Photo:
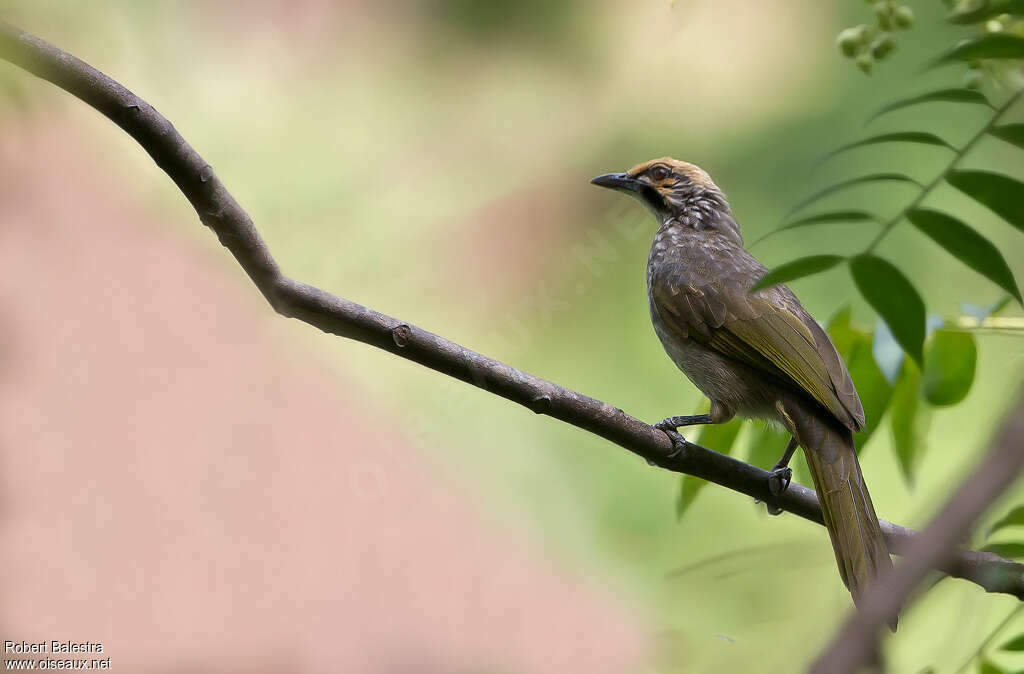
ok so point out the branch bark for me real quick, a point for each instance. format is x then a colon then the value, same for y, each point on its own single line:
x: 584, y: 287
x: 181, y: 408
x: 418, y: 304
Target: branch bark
x: 219, y: 211
x: 855, y: 645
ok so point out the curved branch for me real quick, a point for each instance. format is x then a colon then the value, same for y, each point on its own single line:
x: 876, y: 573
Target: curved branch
x: 219, y: 211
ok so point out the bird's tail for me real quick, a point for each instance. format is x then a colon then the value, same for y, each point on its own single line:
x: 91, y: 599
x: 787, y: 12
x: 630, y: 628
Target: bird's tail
x: 846, y: 506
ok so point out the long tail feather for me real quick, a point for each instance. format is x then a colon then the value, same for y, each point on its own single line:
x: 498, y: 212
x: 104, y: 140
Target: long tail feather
x: 849, y: 515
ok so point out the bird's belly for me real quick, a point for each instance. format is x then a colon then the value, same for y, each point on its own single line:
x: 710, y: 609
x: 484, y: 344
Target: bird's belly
x: 725, y: 381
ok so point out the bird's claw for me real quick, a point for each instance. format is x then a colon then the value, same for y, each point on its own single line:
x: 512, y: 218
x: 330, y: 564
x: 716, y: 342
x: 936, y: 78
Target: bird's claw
x: 778, y: 482
x: 678, y: 441
x: 666, y: 425
x: 779, y: 479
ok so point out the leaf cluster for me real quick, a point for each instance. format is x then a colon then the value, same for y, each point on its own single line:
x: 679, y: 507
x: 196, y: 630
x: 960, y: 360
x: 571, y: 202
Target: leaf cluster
x: 941, y: 360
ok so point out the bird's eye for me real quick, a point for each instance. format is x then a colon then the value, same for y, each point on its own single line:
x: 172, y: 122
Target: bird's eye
x: 659, y: 173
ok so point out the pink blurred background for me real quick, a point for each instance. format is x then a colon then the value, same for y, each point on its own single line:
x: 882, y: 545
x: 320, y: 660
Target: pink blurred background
x: 181, y: 486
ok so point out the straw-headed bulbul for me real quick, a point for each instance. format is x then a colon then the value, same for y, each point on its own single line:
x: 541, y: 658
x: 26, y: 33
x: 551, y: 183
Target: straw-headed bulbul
x: 753, y: 354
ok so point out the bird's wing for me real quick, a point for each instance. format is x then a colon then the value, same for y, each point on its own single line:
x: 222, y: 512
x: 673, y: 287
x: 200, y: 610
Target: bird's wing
x: 768, y: 331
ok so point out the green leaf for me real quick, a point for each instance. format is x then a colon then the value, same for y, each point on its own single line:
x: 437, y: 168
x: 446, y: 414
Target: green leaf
x: 908, y: 419
x: 897, y: 302
x: 966, y: 245
x: 853, y: 182
x: 801, y: 471
x: 842, y: 332
x: 988, y: 667
x: 855, y: 347
x: 941, y: 96
x: 1001, y: 304
x: 1002, y: 194
x: 831, y: 217
x: 991, y: 46
x: 719, y: 437
x: 1015, y: 644
x: 983, y: 11
x: 1007, y: 550
x: 950, y: 359
x: 826, y: 218
x: 766, y: 446
x: 898, y: 137
x: 804, y: 266
x: 1011, y: 133
x: 1013, y: 518
x: 689, y: 486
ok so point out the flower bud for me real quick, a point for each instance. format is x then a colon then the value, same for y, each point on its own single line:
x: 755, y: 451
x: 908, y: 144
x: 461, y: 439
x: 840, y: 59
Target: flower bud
x: 848, y: 41
x: 903, y: 17
x: 882, y: 47
x: 884, y: 16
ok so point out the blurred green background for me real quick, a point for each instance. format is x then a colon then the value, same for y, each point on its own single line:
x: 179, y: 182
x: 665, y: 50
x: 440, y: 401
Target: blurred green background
x: 431, y: 159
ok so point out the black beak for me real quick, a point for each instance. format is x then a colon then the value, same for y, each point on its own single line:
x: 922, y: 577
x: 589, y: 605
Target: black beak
x: 617, y: 181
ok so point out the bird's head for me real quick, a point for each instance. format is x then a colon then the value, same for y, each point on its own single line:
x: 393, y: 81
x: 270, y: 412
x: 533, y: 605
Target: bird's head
x: 676, y: 192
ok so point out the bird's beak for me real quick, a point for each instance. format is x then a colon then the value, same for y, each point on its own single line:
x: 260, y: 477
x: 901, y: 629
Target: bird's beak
x: 617, y: 181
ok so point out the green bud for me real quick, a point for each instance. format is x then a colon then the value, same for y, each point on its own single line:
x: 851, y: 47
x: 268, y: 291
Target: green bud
x: 974, y: 79
x: 903, y: 17
x: 865, y: 63
x: 883, y: 15
x: 994, y: 26
x: 882, y: 47
x: 848, y: 41
x: 964, y: 6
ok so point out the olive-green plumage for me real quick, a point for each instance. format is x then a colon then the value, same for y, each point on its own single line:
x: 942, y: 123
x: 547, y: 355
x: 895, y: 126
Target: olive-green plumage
x: 754, y: 354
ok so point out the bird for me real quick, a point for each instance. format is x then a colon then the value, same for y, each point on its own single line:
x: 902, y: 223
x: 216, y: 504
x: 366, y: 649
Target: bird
x: 753, y: 354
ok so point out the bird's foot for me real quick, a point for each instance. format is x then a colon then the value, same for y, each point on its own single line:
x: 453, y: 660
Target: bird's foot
x: 779, y: 479
x: 671, y: 423
x: 679, y: 443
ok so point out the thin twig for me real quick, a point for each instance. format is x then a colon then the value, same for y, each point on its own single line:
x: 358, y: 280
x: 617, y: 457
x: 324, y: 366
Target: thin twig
x: 960, y: 154
x: 219, y: 211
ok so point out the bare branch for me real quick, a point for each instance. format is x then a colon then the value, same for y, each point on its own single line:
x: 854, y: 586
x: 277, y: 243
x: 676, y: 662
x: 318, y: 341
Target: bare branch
x: 855, y: 645
x: 219, y: 211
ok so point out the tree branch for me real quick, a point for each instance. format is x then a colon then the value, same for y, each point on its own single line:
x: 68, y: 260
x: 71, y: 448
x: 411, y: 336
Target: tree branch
x: 855, y: 645
x: 219, y: 211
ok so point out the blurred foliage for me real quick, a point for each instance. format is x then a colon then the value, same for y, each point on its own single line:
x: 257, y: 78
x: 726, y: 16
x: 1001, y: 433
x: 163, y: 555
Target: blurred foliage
x: 538, y: 21
x: 942, y: 364
x: 854, y: 344
x: 909, y: 419
x: 950, y: 362
x: 950, y: 359
x: 721, y: 438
